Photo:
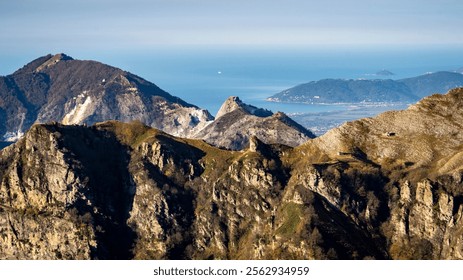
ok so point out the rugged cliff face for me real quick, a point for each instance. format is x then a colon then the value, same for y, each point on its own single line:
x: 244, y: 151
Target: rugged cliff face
x: 384, y: 187
x: 59, y: 88
x: 419, y: 153
x: 128, y: 191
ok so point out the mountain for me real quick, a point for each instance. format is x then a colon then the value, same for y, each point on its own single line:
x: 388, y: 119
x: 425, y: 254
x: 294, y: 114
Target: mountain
x: 135, y: 192
x: 388, y: 187
x: 236, y: 122
x: 346, y: 91
x: 59, y: 88
x: 379, y: 90
x: 438, y: 82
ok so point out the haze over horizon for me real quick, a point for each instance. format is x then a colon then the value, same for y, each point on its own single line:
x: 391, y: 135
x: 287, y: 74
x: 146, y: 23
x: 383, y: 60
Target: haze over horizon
x: 97, y: 29
x: 104, y: 24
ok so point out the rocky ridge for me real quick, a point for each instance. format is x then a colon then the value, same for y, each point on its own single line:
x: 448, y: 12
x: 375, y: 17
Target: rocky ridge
x: 383, y: 187
x: 59, y: 88
x: 236, y: 122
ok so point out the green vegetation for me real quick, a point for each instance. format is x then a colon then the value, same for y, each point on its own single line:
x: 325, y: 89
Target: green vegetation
x: 291, y: 215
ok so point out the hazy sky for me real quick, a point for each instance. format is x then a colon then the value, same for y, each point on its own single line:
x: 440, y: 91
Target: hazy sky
x: 52, y: 25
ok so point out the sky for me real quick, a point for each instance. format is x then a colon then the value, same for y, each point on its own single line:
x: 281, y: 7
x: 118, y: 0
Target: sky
x: 38, y: 27
x: 102, y: 24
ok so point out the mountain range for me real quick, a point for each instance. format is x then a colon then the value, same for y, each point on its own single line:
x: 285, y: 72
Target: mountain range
x: 388, y: 187
x: 106, y: 165
x: 60, y: 88
x: 407, y: 90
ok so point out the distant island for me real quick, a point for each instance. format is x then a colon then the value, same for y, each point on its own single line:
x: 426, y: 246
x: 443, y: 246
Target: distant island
x: 384, y: 72
x: 335, y: 91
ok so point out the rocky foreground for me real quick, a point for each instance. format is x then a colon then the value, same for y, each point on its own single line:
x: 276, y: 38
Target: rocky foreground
x: 389, y: 187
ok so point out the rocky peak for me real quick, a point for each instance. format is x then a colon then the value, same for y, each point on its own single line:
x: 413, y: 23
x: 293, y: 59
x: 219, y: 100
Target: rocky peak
x: 280, y: 115
x: 53, y: 60
x: 234, y: 103
x: 237, y: 122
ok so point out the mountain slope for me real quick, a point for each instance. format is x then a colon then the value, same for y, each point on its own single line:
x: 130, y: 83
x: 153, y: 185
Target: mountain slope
x: 355, y: 91
x: 419, y: 151
x: 346, y: 91
x: 438, y: 82
x: 236, y: 122
x: 135, y: 192
x: 383, y: 187
x: 59, y: 88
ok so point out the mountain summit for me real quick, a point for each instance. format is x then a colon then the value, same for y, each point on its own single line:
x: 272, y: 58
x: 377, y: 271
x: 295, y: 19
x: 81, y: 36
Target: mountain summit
x: 233, y: 103
x: 236, y: 122
x: 59, y: 88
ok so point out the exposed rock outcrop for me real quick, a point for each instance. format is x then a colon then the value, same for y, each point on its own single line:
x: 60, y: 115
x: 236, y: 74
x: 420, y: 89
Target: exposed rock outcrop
x: 159, y: 197
x: 236, y: 122
x: 388, y: 187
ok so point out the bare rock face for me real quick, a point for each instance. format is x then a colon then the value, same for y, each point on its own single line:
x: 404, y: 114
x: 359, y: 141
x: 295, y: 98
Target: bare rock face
x: 236, y: 122
x: 33, y: 219
x: 388, y: 187
x: 59, y: 88
x: 234, y: 103
x: 119, y: 191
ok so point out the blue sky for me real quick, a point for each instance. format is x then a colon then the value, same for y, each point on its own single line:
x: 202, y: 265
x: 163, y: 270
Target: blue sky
x: 105, y: 29
x: 141, y: 24
x: 163, y: 39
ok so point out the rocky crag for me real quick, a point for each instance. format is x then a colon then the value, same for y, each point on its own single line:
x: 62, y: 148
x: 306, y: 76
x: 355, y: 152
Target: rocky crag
x: 388, y: 187
x: 236, y: 122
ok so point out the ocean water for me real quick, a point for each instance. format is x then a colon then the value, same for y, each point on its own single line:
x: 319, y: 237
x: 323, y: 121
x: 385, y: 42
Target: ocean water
x: 206, y: 76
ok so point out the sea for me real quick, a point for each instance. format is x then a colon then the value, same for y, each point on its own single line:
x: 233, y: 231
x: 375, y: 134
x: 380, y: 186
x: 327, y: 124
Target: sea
x: 207, y: 76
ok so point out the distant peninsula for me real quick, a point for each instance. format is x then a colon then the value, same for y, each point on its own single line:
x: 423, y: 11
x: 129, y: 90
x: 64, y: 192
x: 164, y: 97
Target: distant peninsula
x: 335, y: 91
